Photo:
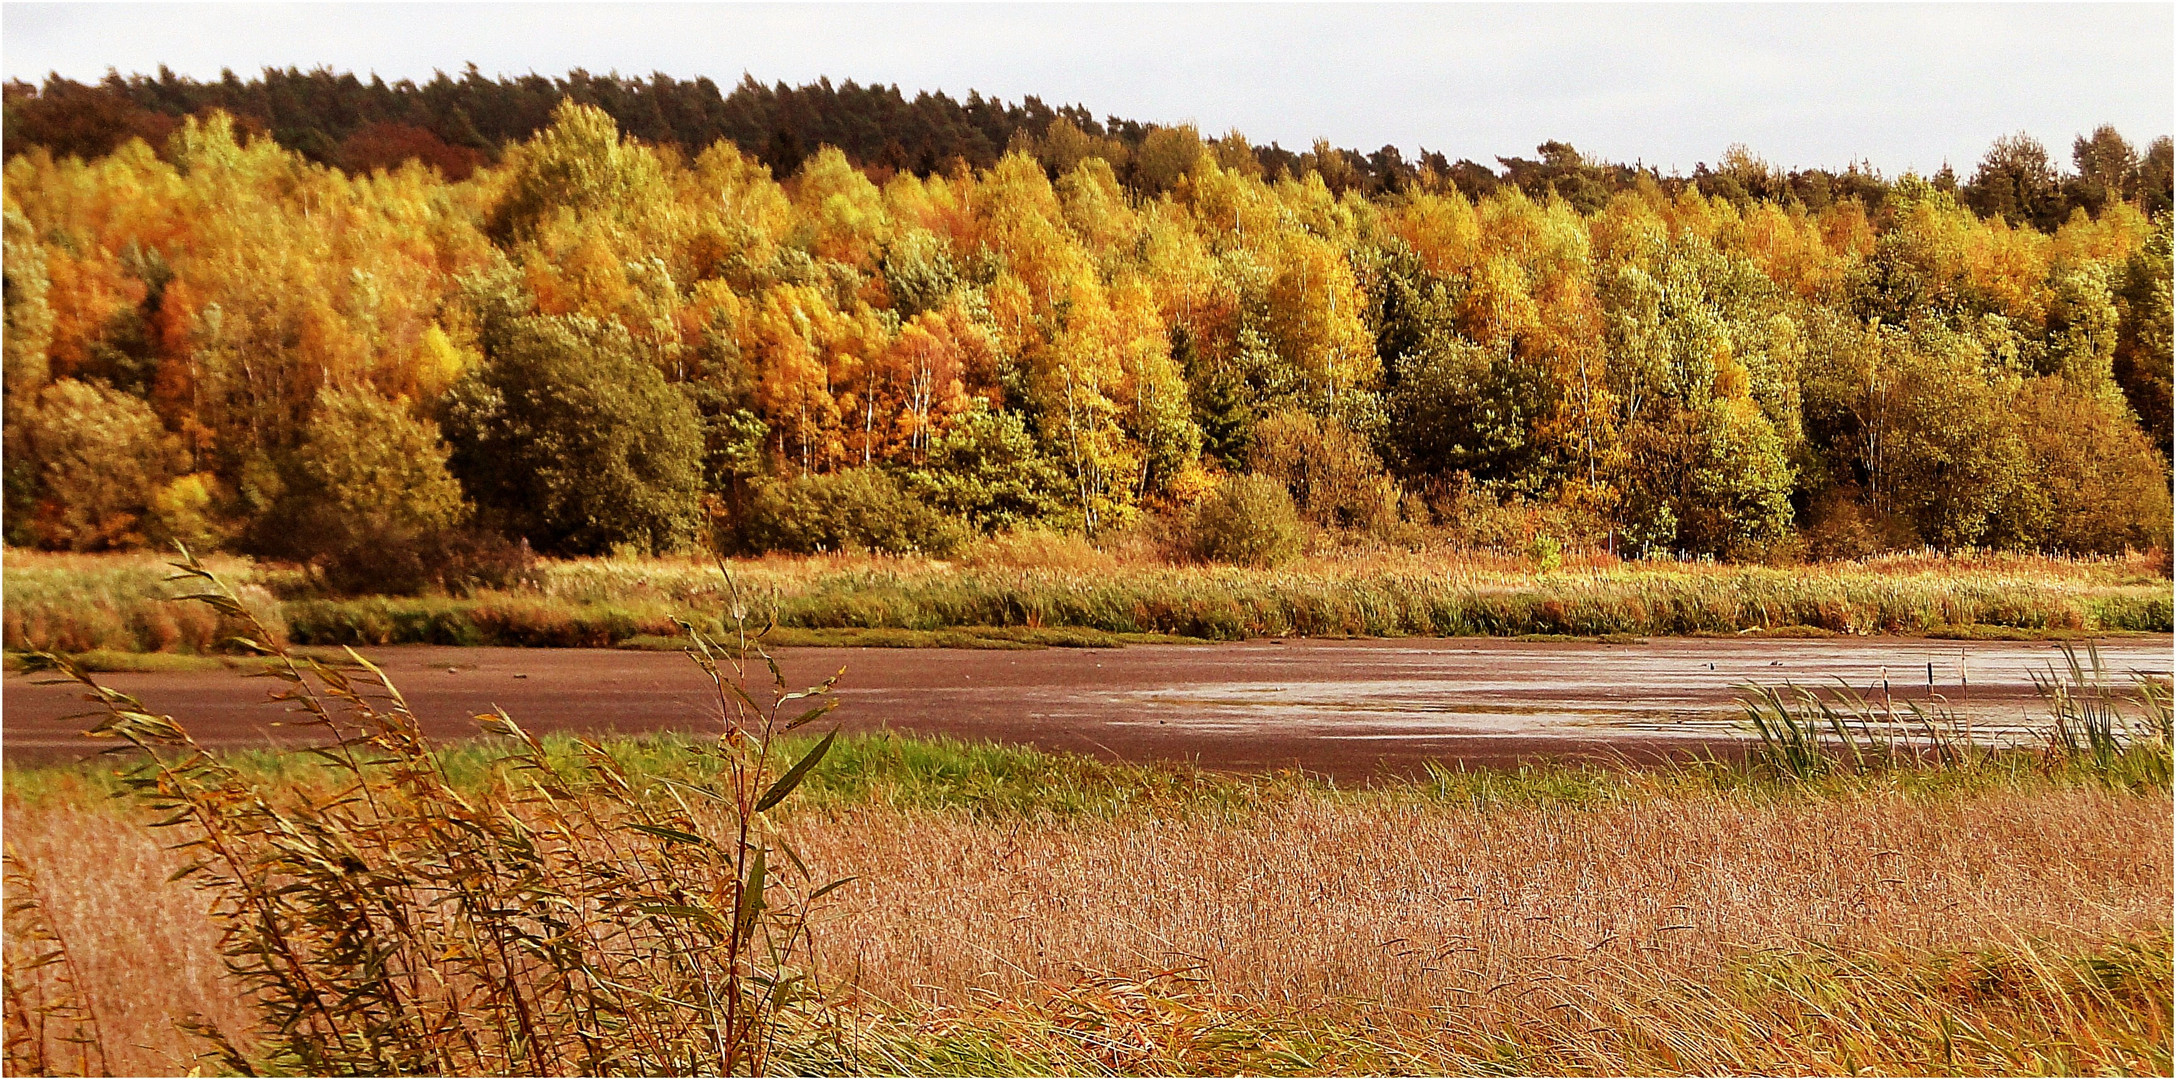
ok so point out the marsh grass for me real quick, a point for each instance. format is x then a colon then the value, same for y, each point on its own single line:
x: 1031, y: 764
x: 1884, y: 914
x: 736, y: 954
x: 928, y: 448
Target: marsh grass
x: 2028, y: 1009
x: 2091, y: 727
x: 1023, y: 912
x: 565, y: 918
x: 2094, y: 725
x: 76, y: 603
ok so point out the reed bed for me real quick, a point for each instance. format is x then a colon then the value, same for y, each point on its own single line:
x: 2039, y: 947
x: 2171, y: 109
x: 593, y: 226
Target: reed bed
x: 1015, y: 911
x: 79, y: 603
x: 1659, y: 935
x: 1577, y: 921
x: 565, y: 921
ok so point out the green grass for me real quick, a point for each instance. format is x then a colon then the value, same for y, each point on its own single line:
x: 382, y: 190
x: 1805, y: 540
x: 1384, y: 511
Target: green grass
x: 109, y: 660
x: 1020, y: 782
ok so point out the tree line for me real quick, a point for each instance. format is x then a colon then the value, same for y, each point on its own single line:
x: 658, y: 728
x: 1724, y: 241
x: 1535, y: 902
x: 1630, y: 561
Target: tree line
x: 458, y: 124
x: 593, y: 341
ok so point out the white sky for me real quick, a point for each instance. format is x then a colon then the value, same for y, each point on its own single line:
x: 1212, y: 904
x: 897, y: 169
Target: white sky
x: 1903, y: 86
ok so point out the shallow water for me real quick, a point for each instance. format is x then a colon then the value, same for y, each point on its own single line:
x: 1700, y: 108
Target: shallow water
x: 1337, y: 707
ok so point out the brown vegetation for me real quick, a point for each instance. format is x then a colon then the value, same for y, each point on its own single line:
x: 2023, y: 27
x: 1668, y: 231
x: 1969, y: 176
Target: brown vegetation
x: 1132, y: 585
x: 1603, y: 937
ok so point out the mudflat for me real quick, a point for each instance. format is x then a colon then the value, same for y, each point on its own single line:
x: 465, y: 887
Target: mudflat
x: 1342, y: 708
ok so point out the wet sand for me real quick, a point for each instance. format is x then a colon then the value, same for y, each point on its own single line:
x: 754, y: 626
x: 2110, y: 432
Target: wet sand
x: 1342, y: 708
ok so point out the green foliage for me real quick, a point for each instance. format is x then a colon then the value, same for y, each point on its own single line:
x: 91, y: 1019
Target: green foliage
x: 1709, y: 482
x: 575, y: 443
x: 1461, y: 407
x: 577, y: 165
x: 852, y: 510
x: 1250, y: 521
x: 2081, y: 335
x: 1945, y: 444
x: 2143, y: 347
x: 919, y: 274
x: 987, y: 468
x: 1547, y: 552
x: 732, y: 436
x: 2017, y: 181
x: 1167, y: 154
x: 375, y: 500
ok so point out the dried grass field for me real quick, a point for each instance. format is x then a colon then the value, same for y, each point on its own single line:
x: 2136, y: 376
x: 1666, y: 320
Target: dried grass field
x: 1582, y: 922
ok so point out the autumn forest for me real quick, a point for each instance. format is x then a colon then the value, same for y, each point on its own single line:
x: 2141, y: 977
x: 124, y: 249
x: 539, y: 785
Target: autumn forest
x: 405, y: 332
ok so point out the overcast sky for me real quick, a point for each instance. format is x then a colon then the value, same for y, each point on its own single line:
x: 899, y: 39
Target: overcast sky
x: 1905, y: 87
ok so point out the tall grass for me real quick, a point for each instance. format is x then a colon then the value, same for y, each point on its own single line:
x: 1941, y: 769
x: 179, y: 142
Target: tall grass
x: 2092, y: 724
x: 571, y: 918
x: 1019, y: 912
x: 2091, y: 727
x: 51, y: 1026
x: 2025, y: 1009
x: 75, y: 604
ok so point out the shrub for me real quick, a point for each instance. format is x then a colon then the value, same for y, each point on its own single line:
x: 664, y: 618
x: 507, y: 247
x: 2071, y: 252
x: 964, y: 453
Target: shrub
x: 1328, y: 468
x: 94, y: 459
x: 571, y: 440
x: 1251, y: 520
x: 1486, y: 516
x: 374, y: 502
x: 852, y: 510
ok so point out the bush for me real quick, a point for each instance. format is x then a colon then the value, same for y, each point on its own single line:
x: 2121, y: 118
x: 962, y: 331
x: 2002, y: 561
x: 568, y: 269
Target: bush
x: 92, y: 461
x: 1328, y: 468
x: 1251, y: 521
x: 568, y: 438
x: 375, y: 504
x: 1844, y: 528
x: 853, y: 510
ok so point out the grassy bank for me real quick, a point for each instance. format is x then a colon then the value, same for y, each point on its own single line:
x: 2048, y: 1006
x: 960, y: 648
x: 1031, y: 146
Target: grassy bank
x: 1014, y: 911
x: 1071, y: 595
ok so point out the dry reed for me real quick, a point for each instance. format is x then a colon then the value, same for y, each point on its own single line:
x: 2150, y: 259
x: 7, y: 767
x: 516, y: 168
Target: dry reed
x: 567, y: 920
x: 1444, y: 925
